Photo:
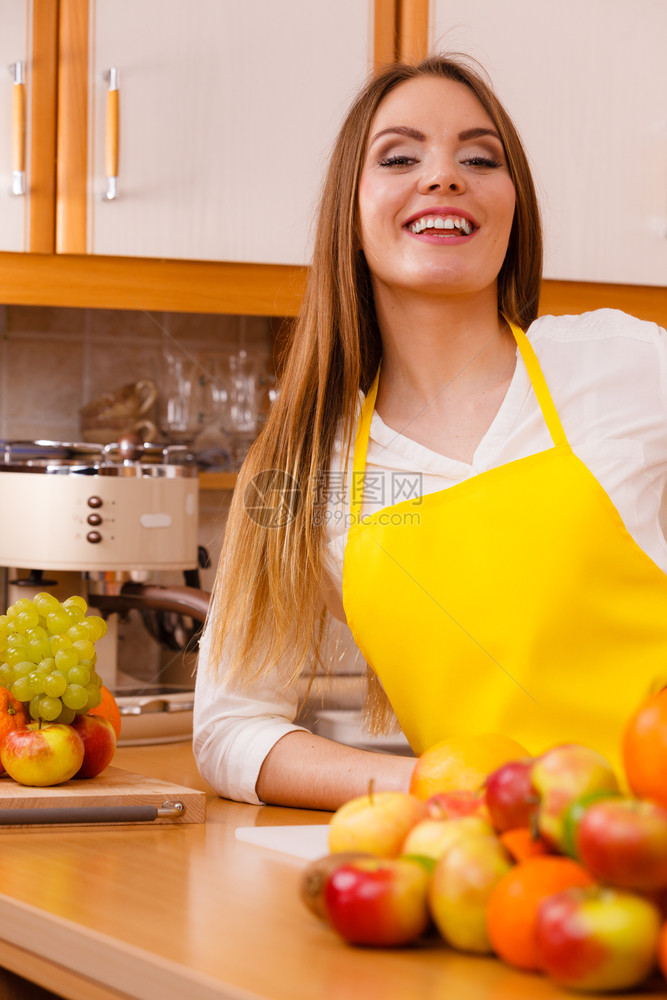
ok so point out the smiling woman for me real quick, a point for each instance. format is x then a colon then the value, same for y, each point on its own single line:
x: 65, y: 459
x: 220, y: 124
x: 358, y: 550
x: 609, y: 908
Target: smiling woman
x: 442, y: 181
x: 474, y: 492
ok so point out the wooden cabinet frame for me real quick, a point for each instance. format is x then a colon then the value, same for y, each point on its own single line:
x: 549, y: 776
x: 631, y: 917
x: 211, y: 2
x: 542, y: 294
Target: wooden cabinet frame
x: 41, y: 216
x: 72, y: 278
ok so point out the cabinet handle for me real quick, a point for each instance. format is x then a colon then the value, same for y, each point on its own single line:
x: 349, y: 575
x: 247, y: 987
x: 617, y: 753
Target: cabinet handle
x: 111, y: 151
x: 18, y: 128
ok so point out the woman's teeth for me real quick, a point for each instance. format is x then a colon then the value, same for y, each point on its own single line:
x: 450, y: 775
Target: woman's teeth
x: 438, y: 222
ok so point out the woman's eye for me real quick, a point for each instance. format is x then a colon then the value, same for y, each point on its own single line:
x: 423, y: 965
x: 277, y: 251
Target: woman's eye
x: 482, y: 161
x: 397, y: 160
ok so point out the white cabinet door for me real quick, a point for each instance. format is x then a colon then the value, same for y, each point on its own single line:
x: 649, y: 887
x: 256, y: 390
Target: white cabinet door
x: 586, y: 84
x: 227, y: 110
x: 14, y: 48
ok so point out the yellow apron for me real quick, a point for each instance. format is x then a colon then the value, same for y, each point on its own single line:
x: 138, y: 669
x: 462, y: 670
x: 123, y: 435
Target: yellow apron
x: 514, y: 602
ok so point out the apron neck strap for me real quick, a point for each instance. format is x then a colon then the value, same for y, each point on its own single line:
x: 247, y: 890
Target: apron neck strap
x: 539, y: 384
x: 361, y: 447
x: 540, y: 389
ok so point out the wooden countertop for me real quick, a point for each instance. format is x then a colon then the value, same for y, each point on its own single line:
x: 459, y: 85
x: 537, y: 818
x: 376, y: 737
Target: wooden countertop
x: 190, y: 913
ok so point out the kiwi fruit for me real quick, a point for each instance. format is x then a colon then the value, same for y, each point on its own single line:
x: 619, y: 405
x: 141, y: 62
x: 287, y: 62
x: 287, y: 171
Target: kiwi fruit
x: 314, y: 878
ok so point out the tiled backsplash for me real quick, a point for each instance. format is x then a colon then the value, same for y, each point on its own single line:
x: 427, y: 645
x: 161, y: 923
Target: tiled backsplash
x: 54, y: 360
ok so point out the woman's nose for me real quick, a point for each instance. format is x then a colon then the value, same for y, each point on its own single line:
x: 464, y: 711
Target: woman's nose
x: 442, y: 178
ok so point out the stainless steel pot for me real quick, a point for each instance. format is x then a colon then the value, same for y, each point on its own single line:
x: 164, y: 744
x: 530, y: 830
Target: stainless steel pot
x: 80, y: 506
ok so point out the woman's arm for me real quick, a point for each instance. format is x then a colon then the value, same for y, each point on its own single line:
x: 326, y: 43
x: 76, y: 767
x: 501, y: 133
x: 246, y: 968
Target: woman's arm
x: 311, y: 772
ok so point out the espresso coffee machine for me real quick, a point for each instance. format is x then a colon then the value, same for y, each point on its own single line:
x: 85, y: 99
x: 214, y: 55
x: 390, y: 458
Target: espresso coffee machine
x: 101, y: 521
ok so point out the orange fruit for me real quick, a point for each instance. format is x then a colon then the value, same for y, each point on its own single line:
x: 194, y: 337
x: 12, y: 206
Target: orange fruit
x: 522, y: 843
x: 13, y: 715
x: 462, y: 762
x: 644, y: 749
x: 108, y: 708
x: 511, y: 914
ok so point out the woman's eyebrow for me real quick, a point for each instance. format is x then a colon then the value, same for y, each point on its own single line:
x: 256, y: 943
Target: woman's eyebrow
x: 414, y: 133
x: 478, y: 133
x: 411, y: 133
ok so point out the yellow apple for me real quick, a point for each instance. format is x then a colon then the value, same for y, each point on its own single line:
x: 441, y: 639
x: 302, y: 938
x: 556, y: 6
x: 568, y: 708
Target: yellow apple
x: 376, y: 823
x: 40, y: 756
x: 431, y: 838
x: 460, y: 887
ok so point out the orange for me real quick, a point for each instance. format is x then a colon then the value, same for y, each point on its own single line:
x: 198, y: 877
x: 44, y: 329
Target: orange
x: 462, y: 762
x: 108, y: 708
x: 13, y: 715
x: 511, y: 914
x: 522, y: 843
x: 645, y: 749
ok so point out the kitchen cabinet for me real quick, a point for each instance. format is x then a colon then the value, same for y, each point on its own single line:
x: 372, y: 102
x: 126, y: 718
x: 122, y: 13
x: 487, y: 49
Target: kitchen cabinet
x: 55, y: 37
x: 585, y: 85
x: 221, y: 115
x: 279, y: 62
x: 13, y: 53
x: 28, y: 34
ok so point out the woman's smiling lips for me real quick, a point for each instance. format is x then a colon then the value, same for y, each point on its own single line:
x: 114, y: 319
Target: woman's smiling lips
x: 442, y: 225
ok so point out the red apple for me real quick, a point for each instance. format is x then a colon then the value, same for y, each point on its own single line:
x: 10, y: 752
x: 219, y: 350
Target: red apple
x: 99, y: 743
x: 431, y: 838
x: 376, y: 823
x: 623, y: 841
x: 378, y: 901
x: 460, y: 887
x: 560, y: 776
x: 597, y: 939
x: 510, y: 796
x: 314, y: 879
x: 449, y: 805
x: 41, y: 756
x: 572, y: 818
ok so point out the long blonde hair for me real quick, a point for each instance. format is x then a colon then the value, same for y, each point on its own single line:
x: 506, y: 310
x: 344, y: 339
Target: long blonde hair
x: 266, y: 607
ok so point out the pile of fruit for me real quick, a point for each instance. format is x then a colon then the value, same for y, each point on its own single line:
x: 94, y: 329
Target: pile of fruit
x: 550, y: 862
x: 57, y: 720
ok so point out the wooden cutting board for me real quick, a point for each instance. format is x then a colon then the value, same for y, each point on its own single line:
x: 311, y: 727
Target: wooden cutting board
x: 113, y: 797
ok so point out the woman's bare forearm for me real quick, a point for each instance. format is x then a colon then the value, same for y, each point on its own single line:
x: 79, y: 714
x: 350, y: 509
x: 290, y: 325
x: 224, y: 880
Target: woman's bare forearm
x: 311, y: 772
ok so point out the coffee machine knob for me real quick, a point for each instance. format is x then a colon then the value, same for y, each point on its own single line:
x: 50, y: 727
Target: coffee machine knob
x: 95, y: 502
x: 94, y: 537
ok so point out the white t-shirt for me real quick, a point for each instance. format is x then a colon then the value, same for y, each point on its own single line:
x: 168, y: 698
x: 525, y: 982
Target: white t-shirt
x: 607, y: 374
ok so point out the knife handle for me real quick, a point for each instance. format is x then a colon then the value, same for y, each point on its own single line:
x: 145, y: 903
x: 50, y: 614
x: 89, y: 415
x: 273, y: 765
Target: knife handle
x: 89, y: 814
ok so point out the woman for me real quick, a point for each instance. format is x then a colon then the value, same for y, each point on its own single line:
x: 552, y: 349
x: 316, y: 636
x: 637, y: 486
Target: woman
x: 522, y: 587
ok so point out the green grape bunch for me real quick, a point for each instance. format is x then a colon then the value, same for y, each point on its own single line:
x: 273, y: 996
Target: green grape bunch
x: 47, y: 656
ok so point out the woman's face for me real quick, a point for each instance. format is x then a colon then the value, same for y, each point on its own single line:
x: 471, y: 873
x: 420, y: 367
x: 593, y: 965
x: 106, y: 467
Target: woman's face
x: 436, y: 201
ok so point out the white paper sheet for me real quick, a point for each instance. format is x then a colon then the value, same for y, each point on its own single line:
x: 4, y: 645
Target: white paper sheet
x: 304, y: 842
